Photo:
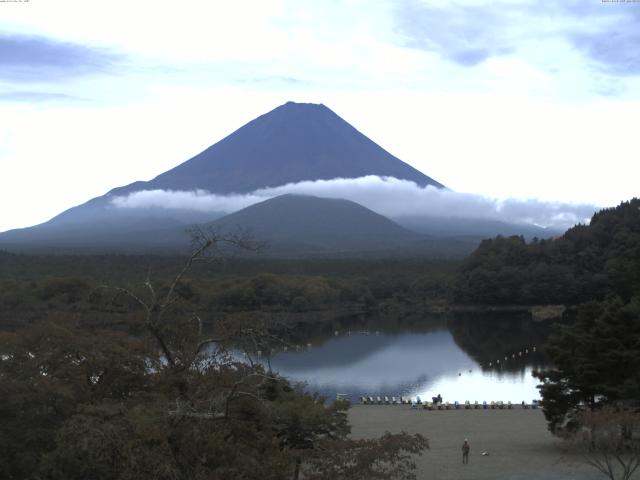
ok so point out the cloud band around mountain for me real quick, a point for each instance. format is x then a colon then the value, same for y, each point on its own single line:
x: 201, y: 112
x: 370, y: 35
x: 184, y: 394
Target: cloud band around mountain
x: 387, y: 196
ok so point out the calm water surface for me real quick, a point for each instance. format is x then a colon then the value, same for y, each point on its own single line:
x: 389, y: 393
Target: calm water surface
x: 418, y: 363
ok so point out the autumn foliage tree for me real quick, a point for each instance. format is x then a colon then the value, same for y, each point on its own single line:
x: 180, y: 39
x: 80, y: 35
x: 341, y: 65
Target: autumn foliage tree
x: 174, y: 402
x: 609, y: 441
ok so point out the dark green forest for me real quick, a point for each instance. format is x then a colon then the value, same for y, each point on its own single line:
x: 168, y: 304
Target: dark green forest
x: 588, y: 262
x: 36, y: 287
x: 121, y: 366
x: 595, y: 270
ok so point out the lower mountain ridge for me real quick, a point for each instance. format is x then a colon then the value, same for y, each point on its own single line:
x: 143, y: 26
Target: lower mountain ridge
x: 290, y: 226
x: 300, y: 224
x: 308, y: 226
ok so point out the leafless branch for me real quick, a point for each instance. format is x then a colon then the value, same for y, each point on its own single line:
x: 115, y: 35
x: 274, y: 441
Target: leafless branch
x: 609, y: 441
x: 150, y: 287
x: 127, y: 292
x: 206, y: 342
x: 234, y: 389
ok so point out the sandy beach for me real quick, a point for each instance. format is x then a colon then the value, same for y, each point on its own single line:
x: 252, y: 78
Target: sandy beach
x: 517, y: 441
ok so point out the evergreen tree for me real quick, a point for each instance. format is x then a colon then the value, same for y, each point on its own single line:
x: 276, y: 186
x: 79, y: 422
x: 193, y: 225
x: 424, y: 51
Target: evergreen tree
x: 596, y: 361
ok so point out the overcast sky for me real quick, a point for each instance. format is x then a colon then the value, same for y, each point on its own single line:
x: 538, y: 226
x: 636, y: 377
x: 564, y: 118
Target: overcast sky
x: 507, y: 99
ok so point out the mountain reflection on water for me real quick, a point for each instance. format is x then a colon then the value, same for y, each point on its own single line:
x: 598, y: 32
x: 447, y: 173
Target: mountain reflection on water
x: 450, y: 357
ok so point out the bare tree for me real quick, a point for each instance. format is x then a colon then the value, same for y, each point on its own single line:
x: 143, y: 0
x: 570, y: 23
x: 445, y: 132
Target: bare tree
x: 609, y: 441
x: 213, y: 392
x: 207, y: 246
x: 178, y: 334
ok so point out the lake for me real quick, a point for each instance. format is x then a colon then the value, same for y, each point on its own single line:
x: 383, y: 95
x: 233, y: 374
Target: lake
x: 460, y: 359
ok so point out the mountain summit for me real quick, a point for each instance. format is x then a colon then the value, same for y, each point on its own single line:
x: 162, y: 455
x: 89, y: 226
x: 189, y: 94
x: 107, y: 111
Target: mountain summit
x: 292, y: 143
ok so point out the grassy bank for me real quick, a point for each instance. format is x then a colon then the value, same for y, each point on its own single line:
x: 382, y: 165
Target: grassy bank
x: 518, y: 443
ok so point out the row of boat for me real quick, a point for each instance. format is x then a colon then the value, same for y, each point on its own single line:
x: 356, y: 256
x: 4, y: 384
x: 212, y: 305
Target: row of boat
x: 467, y: 405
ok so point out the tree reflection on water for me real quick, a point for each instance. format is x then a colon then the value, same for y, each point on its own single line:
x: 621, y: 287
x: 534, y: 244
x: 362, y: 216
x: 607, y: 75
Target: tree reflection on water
x: 413, y: 356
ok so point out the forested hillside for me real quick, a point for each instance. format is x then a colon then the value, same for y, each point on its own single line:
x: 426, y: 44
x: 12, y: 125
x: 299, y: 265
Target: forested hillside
x: 594, y: 269
x: 588, y: 262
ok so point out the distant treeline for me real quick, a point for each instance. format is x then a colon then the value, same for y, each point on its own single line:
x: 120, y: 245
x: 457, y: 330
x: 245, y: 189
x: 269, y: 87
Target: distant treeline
x: 588, y: 262
x: 34, y: 287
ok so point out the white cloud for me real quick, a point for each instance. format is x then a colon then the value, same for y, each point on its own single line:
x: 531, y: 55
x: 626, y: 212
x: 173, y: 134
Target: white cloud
x: 549, y: 113
x: 388, y: 196
x: 199, y: 200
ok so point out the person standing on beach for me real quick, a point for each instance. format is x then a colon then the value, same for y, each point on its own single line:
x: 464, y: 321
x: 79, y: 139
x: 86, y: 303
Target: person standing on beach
x: 465, y: 451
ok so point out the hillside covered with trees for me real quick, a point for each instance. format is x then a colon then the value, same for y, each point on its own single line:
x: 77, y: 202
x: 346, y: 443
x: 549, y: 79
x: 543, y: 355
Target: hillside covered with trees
x: 588, y: 262
x: 595, y: 270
